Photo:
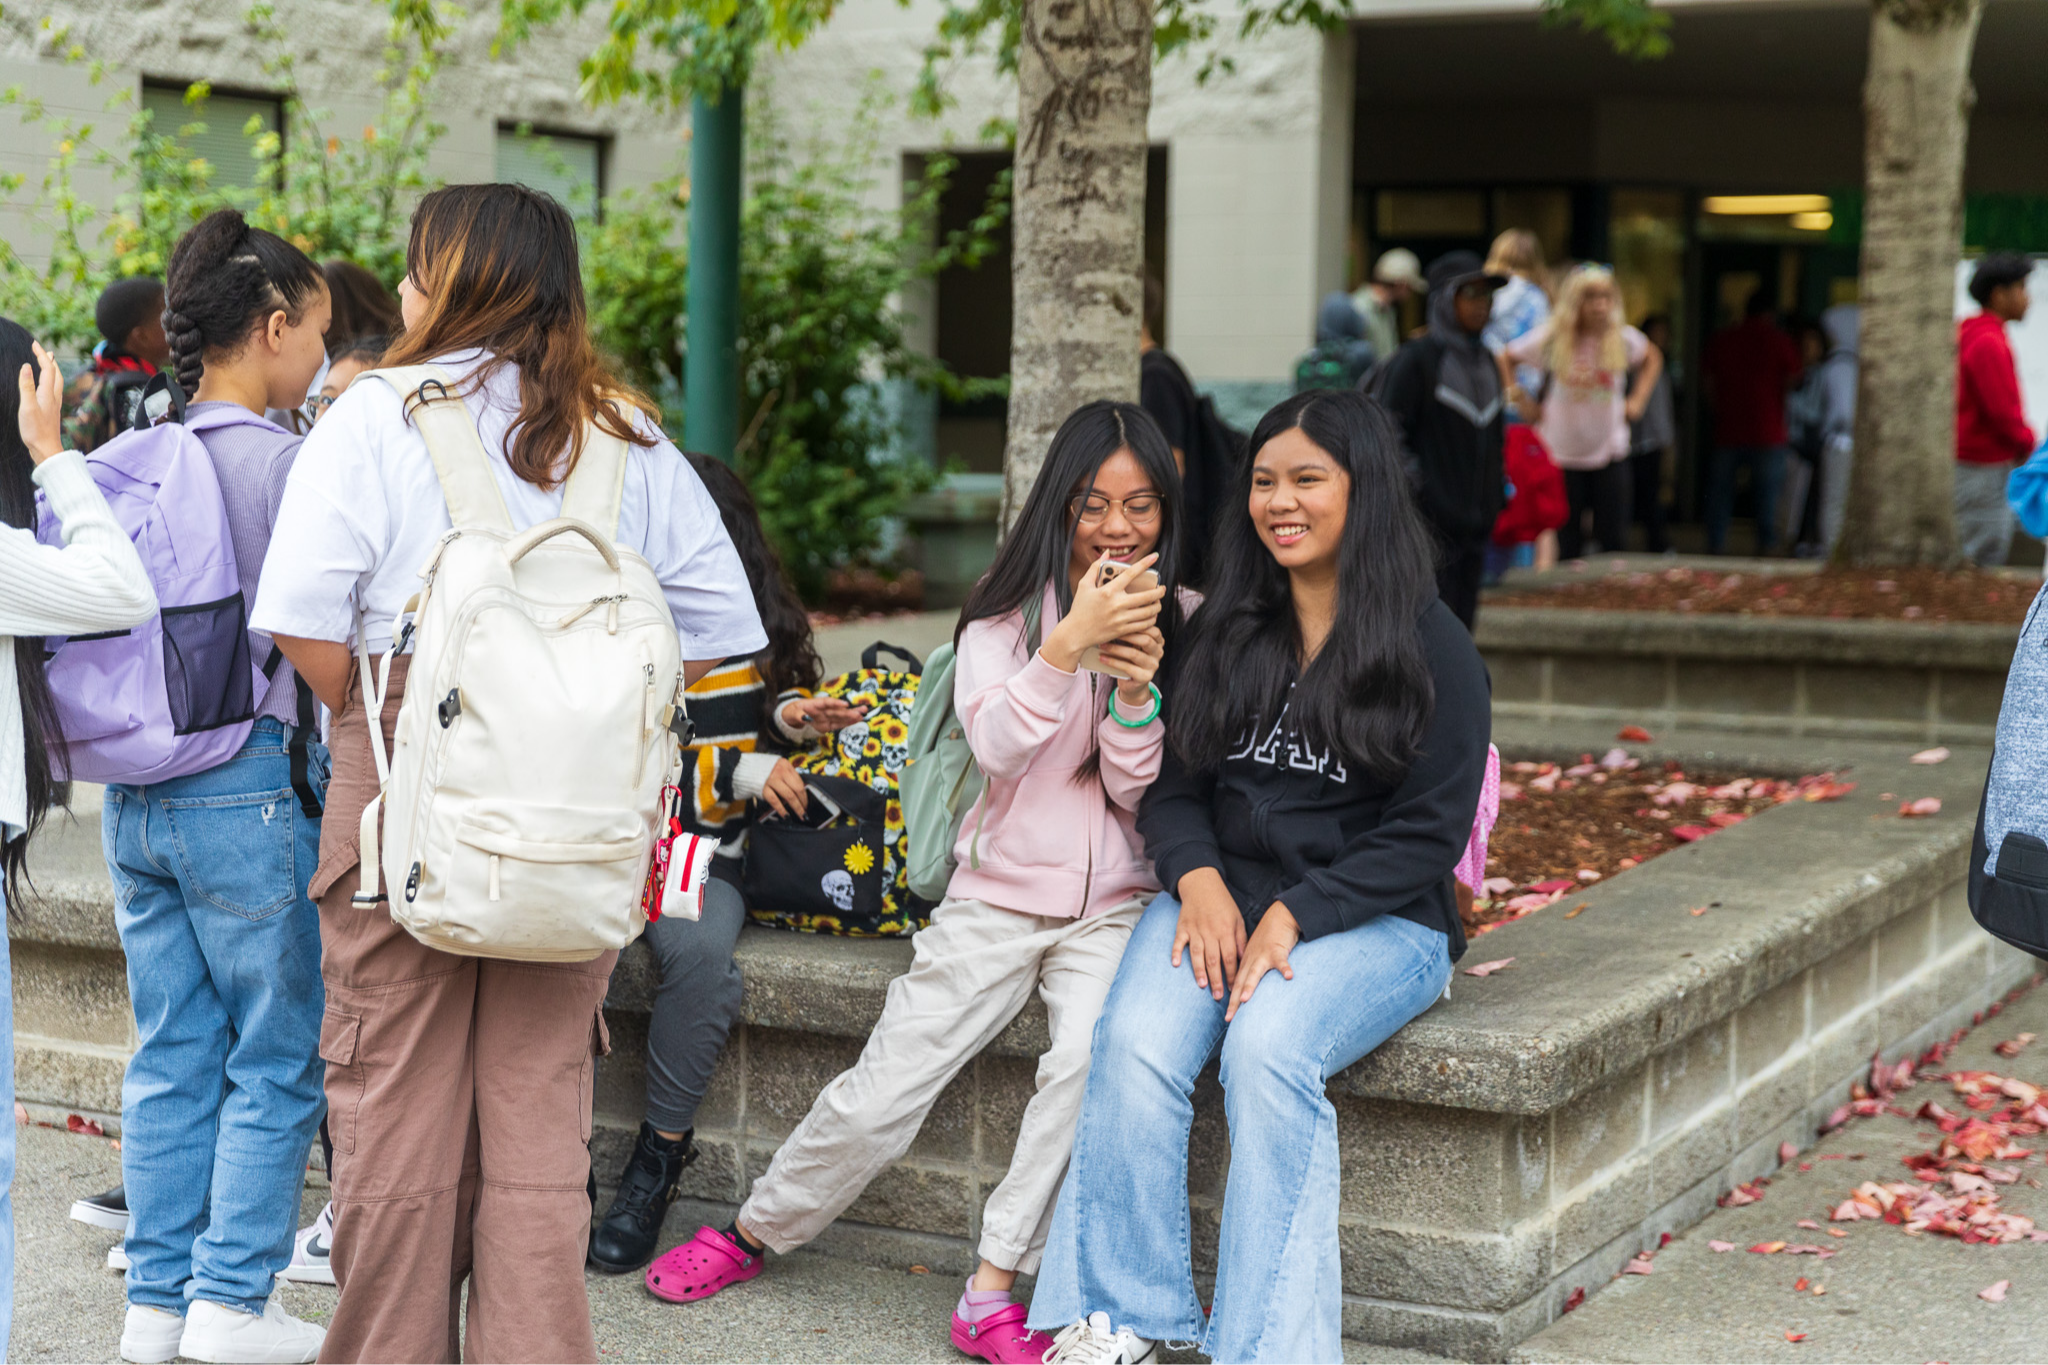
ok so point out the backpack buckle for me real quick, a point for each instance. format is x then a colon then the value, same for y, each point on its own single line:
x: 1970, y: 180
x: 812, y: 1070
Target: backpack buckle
x: 412, y: 885
x: 450, y: 707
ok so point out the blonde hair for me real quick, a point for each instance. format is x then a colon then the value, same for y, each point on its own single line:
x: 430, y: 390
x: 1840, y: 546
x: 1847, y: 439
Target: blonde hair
x: 1564, y: 321
x: 1516, y: 252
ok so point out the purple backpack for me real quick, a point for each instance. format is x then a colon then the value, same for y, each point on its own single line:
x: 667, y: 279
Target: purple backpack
x: 177, y: 694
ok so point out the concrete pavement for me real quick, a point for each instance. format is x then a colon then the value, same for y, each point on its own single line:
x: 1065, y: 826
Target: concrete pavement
x: 808, y: 1307
x: 1890, y: 1297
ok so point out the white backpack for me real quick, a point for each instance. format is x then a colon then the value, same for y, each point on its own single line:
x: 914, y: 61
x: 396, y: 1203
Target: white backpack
x: 543, y: 713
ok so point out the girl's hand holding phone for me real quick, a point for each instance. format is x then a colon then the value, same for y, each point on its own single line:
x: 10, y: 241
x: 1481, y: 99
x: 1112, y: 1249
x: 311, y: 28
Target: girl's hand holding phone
x: 1137, y: 659
x: 1108, y: 607
x: 784, y: 790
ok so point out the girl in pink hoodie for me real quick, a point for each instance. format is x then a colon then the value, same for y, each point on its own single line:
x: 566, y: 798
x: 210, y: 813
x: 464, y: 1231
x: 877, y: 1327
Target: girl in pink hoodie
x: 1052, y: 875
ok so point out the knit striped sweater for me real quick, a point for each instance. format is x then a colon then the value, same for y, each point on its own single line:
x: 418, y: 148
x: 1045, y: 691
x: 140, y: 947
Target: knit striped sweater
x: 732, y: 758
x: 94, y: 582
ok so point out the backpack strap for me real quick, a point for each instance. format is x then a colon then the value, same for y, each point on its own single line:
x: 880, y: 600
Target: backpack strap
x: 460, y: 462
x: 597, y: 485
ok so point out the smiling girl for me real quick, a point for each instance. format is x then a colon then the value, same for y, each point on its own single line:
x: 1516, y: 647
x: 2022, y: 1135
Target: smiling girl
x: 1326, y: 748
x: 1051, y: 873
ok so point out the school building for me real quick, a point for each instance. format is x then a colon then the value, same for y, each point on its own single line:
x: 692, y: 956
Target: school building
x: 1730, y: 165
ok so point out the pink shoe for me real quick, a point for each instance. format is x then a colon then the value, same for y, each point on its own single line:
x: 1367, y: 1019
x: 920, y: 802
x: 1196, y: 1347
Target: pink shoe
x: 701, y: 1267
x: 1002, y: 1338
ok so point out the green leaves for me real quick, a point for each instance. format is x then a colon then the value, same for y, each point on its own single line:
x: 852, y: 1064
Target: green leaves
x: 1635, y: 30
x: 329, y: 194
x: 825, y: 354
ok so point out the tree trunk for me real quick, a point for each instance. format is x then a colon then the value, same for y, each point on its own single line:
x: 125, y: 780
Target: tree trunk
x: 1084, y: 88
x: 1916, y: 108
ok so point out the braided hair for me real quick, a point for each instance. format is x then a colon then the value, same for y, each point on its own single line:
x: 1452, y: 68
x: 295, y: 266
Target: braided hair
x: 225, y: 277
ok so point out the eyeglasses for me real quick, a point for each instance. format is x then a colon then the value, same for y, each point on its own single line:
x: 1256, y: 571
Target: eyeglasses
x: 1139, y: 508
x: 317, y: 405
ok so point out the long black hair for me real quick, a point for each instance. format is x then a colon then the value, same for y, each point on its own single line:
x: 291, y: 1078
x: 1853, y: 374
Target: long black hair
x: 1040, y: 546
x: 224, y: 277
x: 791, y: 659
x: 1366, y: 697
x: 39, y: 731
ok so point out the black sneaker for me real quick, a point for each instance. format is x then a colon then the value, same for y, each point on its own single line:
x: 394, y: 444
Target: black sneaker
x: 109, y: 1210
x: 626, y: 1237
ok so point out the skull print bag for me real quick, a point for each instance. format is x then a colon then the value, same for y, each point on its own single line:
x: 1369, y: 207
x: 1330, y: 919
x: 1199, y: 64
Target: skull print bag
x: 871, y: 753
x: 821, y: 871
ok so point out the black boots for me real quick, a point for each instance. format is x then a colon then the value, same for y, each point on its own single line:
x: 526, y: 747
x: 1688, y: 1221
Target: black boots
x: 631, y: 1228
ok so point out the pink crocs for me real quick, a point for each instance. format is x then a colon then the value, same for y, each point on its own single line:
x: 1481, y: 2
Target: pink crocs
x: 701, y: 1267
x: 1002, y: 1338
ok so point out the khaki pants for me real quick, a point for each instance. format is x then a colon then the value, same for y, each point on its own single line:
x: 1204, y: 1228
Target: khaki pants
x: 458, y: 1097
x: 975, y: 968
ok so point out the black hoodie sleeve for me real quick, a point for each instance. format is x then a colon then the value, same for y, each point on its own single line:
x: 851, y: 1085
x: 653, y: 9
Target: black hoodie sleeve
x: 1174, y: 817
x: 1427, y: 821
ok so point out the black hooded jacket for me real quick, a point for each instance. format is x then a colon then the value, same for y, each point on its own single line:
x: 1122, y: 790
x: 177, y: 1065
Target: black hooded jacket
x: 1452, y: 423
x: 1338, y: 848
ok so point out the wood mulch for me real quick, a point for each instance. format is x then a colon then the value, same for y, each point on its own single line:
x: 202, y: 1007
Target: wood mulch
x: 1564, y: 828
x: 1860, y: 594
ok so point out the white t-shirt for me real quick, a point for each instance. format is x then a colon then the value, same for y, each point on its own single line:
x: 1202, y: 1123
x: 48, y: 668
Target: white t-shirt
x: 1585, y: 414
x: 363, y: 508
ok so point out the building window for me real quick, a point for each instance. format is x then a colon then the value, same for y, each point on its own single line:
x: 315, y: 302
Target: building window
x: 569, y: 166
x: 221, y: 128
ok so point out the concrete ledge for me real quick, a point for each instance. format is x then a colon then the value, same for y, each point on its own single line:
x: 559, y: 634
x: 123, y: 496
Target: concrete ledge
x: 1723, y: 636
x: 1516, y: 1141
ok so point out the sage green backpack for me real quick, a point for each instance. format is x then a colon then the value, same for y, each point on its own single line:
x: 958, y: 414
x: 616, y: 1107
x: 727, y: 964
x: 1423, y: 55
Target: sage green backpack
x: 940, y: 781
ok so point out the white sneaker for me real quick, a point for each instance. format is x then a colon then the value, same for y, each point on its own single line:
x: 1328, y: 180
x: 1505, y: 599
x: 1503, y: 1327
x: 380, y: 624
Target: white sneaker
x: 150, y: 1336
x: 1090, y: 1342
x: 117, y: 1257
x: 311, y: 1250
x: 216, y: 1332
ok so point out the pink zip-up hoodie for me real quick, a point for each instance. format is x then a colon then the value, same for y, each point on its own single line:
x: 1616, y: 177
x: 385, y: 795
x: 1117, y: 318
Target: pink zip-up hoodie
x: 1049, y: 845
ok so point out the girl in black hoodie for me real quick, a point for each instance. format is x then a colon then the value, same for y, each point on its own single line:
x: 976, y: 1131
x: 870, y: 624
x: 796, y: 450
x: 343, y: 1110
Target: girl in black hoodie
x: 1327, y: 724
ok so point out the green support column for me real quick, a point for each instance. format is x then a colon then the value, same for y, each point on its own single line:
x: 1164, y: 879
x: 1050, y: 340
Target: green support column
x: 711, y: 372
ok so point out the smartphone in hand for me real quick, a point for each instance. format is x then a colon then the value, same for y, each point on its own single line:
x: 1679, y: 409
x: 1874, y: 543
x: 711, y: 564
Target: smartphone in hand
x: 1091, y: 657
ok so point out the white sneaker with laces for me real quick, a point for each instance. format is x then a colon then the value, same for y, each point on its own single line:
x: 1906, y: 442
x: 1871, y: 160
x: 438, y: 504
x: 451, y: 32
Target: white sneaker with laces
x: 217, y: 1333
x: 150, y: 1336
x: 1091, y: 1342
x: 311, y: 1249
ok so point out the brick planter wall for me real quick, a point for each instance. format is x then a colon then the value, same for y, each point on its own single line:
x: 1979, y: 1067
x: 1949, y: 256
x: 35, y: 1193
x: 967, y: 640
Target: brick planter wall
x: 1518, y: 1141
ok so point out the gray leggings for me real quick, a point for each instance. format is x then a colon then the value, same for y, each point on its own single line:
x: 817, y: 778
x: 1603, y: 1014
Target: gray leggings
x: 694, y: 1007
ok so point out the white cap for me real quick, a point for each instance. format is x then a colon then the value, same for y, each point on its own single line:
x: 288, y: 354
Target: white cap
x: 1398, y: 266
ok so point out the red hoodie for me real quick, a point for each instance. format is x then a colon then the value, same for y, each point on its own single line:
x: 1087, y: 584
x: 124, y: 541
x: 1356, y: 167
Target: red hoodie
x: 1991, y: 426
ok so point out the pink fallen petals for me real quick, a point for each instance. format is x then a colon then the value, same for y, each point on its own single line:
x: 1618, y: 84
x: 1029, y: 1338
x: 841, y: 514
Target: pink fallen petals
x: 2011, y: 1046
x: 1633, y: 734
x: 1823, y: 788
x: 1938, y: 754
x: 20, y: 1112
x: 1720, y: 1246
x: 1488, y: 968
x: 1575, y: 1299
x: 1787, y: 1151
x: 78, y: 1123
x: 1926, y: 805
x: 1995, y: 1293
x: 1795, y: 1336
x: 1641, y: 1265
x: 1687, y: 834
x: 1808, y: 1224
x: 1742, y: 1194
x: 1768, y: 1248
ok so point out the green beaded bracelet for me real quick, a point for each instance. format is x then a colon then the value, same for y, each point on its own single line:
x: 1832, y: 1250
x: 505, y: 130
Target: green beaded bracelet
x: 1142, y: 721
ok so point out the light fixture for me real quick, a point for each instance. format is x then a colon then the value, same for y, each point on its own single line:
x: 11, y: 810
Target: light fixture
x: 1820, y: 220
x: 1766, y: 204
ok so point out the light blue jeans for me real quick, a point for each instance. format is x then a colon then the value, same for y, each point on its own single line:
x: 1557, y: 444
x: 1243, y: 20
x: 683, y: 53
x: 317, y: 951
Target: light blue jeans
x: 1120, y: 1235
x: 6, y: 1142
x: 224, y: 1092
